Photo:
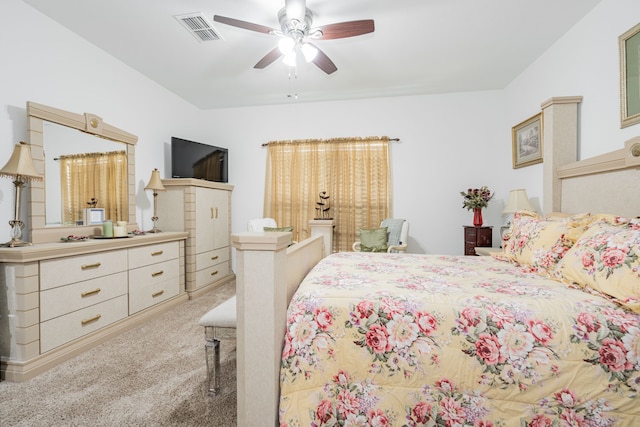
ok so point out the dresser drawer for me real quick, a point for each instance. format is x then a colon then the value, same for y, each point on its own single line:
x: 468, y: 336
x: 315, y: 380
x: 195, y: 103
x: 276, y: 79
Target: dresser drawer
x: 58, y: 331
x: 65, y: 299
x: 153, y: 254
x: 64, y: 271
x: 212, y: 274
x: 211, y: 258
x: 152, y: 284
x: 154, y: 273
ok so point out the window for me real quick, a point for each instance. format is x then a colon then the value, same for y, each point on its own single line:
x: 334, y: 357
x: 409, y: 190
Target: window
x: 354, y: 172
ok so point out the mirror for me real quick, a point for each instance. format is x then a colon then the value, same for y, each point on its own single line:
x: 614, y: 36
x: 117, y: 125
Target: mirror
x: 62, y: 142
x: 53, y: 134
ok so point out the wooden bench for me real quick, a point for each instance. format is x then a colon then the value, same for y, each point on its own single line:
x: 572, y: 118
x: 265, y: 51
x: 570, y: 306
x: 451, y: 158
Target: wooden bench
x: 219, y: 323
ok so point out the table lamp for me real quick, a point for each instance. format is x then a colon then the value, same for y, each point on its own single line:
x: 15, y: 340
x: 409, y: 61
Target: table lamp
x: 155, y: 184
x: 20, y: 167
x: 517, y: 201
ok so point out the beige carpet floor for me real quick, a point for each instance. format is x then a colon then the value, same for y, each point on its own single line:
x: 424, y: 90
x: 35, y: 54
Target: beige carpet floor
x: 152, y: 375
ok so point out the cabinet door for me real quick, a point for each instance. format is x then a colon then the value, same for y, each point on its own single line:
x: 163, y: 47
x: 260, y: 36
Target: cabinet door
x: 221, y: 219
x: 212, y: 219
x: 205, y: 214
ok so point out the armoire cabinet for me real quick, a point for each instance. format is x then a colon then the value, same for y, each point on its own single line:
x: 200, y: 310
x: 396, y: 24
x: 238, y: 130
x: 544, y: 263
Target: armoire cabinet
x: 202, y: 209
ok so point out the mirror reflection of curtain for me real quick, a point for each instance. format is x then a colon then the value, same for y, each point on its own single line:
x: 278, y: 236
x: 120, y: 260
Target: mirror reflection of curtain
x: 209, y: 167
x: 101, y: 176
x: 355, y: 173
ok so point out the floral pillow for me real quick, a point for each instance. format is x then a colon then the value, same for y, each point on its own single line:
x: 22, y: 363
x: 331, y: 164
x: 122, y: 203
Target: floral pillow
x: 541, y: 242
x: 606, y: 258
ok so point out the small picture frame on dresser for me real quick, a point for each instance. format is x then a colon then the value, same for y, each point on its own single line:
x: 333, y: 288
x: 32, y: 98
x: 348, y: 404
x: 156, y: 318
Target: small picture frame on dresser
x: 93, y: 216
x: 526, y: 140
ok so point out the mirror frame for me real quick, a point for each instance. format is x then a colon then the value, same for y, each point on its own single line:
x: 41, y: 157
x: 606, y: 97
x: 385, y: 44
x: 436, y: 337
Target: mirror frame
x: 90, y: 123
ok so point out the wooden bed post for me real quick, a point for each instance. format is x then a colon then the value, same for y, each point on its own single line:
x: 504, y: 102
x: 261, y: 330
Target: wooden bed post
x: 261, y: 315
x: 560, y: 145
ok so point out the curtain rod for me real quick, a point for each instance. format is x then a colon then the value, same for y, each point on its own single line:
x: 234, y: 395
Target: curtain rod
x: 266, y: 144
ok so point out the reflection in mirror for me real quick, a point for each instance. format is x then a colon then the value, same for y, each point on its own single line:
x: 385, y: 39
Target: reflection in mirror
x: 83, y: 171
x: 47, y: 224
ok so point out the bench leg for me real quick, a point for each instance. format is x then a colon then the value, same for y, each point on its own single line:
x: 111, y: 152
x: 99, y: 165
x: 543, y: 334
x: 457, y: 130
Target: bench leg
x: 212, y: 356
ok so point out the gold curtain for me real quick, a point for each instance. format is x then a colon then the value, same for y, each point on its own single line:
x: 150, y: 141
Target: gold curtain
x: 354, y: 172
x: 101, y: 176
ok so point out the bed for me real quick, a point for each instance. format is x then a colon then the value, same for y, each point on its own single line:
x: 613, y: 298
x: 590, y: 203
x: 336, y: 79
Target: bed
x: 453, y: 340
x: 526, y: 338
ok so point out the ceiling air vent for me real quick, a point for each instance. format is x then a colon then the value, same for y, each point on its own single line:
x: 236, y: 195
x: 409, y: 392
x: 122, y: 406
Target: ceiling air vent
x: 199, y: 26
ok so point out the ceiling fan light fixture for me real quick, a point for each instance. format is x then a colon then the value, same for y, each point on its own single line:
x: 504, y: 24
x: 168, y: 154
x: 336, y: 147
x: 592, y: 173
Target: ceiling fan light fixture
x: 309, y: 51
x: 290, y: 59
x: 286, y: 45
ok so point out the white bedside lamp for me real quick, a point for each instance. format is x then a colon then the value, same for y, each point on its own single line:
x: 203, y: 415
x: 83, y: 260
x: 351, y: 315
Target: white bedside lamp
x: 155, y: 184
x: 517, y: 201
x: 20, y: 167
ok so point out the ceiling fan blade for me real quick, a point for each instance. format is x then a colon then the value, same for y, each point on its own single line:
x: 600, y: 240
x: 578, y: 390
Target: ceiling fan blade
x: 323, y: 62
x: 346, y: 29
x: 243, y: 24
x: 268, y: 59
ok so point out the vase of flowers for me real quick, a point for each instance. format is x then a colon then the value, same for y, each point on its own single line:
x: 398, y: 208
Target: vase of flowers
x: 475, y: 199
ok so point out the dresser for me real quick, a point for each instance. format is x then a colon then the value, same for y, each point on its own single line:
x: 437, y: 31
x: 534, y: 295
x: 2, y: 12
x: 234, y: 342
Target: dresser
x: 59, y: 299
x: 476, y: 237
x: 203, y: 210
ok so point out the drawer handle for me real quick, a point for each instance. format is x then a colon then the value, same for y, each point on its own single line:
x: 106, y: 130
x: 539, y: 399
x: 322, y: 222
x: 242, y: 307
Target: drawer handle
x: 157, y: 273
x: 92, y: 319
x: 215, y: 257
x: 157, y: 294
x: 87, y: 293
x: 213, y: 273
x: 157, y: 253
x: 88, y: 266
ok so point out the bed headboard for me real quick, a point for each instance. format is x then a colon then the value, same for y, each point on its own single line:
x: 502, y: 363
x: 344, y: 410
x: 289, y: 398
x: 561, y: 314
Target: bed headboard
x: 608, y: 183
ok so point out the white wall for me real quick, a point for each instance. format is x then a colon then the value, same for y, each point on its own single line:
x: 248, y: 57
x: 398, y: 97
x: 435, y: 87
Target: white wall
x: 584, y: 62
x: 448, y: 142
x: 45, y: 63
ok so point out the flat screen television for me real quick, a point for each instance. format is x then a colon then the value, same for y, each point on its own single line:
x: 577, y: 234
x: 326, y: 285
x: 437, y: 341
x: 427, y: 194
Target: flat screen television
x: 190, y: 159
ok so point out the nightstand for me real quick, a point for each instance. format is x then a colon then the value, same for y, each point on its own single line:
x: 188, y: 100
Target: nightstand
x: 477, y: 237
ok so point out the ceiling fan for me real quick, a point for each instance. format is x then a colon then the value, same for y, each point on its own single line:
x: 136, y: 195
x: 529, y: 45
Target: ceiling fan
x: 296, y: 33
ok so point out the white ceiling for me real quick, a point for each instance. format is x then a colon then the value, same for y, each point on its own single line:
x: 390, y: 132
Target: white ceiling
x: 418, y: 47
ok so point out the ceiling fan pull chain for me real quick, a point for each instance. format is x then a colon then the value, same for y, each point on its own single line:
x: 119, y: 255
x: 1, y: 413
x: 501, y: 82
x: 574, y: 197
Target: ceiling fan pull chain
x: 292, y: 93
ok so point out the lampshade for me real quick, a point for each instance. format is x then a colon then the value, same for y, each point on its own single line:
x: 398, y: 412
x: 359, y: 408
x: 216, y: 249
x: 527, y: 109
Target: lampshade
x: 309, y: 51
x: 517, y: 201
x: 21, y: 164
x: 290, y: 59
x: 155, y: 183
x: 286, y: 45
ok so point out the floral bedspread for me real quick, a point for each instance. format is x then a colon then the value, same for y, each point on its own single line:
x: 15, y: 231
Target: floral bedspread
x: 423, y: 340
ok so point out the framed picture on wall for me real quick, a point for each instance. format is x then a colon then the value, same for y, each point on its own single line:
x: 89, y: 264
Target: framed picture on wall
x: 526, y: 139
x: 630, y: 77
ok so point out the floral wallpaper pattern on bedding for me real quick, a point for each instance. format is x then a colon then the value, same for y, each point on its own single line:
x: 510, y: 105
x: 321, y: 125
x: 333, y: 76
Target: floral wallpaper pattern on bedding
x: 421, y: 340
